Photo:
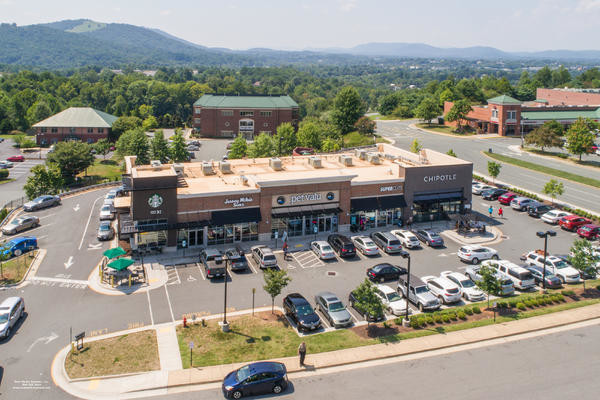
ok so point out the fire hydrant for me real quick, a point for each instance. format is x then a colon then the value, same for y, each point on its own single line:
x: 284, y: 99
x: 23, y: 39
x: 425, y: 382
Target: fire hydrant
x: 184, y: 322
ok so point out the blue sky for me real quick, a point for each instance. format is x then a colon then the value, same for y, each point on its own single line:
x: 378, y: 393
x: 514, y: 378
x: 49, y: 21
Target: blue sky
x: 512, y: 25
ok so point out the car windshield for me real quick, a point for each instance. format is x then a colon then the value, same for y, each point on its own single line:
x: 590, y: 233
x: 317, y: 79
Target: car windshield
x: 326, y: 248
x: 393, y: 297
x: 269, y: 257
x: 467, y: 283
x: 369, y: 243
x: 305, y: 309
x: 104, y: 227
x: 421, y: 289
x: 337, y: 306
x: 3, y: 317
x: 106, y: 208
x: 560, y: 264
x: 39, y: 199
x: 243, y: 373
x: 434, y: 236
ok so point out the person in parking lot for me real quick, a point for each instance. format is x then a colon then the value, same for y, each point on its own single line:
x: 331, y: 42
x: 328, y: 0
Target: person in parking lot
x: 302, y: 353
x: 491, y: 211
x: 285, y: 251
x: 500, y: 212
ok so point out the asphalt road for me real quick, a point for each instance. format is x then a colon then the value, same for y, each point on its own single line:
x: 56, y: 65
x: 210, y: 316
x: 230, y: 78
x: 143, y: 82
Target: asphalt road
x: 471, y: 149
x: 14, y: 190
x: 554, y: 366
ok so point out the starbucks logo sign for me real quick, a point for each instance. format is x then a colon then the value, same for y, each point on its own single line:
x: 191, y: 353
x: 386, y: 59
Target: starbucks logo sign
x: 155, y: 201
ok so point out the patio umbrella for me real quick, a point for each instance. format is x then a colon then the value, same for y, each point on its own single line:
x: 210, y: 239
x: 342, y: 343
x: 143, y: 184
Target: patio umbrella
x: 120, y: 264
x: 114, y: 252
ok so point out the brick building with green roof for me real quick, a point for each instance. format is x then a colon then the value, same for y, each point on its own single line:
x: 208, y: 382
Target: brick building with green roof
x: 75, y: 123
x: 217, y: 115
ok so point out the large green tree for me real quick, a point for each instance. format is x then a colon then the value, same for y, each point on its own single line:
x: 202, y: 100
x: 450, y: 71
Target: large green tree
x: 580, y: 137
x: 159, y: 147
x: 543, y: 136
x: 367, y: 299
x: 134, y: 143
x: 43, y: 180
x: 428, y: 109
x: 263, y: 146
x: 239, y: 147
x: 285, y: 139
x: 365, y: 126
x: 494, y: 169
x: 459, y: 112
x: 179, y: 151
x: 124, y: 124
x: 70, y: 158
x: 348, y: 107
x: 102, y: 147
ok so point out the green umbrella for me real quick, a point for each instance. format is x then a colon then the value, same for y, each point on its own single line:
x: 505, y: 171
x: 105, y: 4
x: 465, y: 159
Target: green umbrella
x: 114, y: 252
x: 120, y: 264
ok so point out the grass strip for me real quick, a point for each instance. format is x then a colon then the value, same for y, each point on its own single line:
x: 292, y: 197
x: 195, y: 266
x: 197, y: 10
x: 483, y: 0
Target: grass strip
x: 444, y: 129
x: 546, y: 170
x: 13, y: 270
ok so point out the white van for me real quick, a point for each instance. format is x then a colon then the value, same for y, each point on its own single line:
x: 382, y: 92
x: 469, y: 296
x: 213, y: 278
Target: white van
x: 522, y: 279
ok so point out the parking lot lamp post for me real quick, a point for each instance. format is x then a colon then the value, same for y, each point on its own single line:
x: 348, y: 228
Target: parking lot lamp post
x: 407, y: 256
x: 545, y: 236
x: 225, y: 297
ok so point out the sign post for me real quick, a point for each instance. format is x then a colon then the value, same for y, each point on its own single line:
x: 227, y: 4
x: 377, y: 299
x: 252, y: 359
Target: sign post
x: 191, y: 346
x: 276, y: 237
x: 184, y: 245
x: 253, y: 292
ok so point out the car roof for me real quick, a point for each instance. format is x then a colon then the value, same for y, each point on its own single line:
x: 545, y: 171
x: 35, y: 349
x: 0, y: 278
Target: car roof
x: 328, y: 296
x: 9, y: 302
x: 265, y: 366
x: 385, y: 288
x: 472, y: 246
x: 382, y: 265
x: 321, y: 242
x: 211, y: 251
x: 20, y: 239
x: 458, y: 275
x: 297, y: 298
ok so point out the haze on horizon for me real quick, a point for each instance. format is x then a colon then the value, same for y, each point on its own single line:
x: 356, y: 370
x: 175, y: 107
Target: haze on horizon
x: 509, y: 25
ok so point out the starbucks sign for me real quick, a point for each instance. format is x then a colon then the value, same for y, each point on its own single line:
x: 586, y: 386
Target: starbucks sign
x: 155, y: 201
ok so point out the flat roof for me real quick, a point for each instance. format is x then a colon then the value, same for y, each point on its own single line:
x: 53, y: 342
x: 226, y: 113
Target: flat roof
x: 224, y: 101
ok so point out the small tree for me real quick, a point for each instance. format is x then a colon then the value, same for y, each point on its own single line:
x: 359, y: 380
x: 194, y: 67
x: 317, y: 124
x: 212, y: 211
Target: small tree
x: 263, y: 146
x: 427, y: 110
x: 178, y: 148
x: 367, y: 300
x: 159, y: 147
x: 71, y: 158
x: 489, y: 282
x: 365, y: 126
x: 124, y: 124
x: 459, y: 112
x: 348, y: 107
x: 494, y: 169
x: 543, y: 136
x: 553, y: 188
x: 416, y: 147
x: 285, y: 140
x: 451, y: 153
x: 330, y: 145
x: 582, y: 258
x: 579, y: 137
x: 43, y: 180
x: 239, y: 147
x: 102, y: 147
x: 275, y: 281
x: 150, y: 123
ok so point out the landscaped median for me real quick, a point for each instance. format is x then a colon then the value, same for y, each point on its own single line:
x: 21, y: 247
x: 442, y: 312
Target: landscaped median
x: 13, y: 271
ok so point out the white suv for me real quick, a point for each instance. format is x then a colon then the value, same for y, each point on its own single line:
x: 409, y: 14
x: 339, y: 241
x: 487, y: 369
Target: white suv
x: 468, y: 288
x: 522, y: 278
x: 407, y: 238
x: 391, y: 300
x: 554, y: 265
x: 445, y: 290
x: 475, y: 253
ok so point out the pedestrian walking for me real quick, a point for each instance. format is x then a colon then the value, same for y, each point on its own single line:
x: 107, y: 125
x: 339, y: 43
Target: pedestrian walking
x: 285, y: 251
x: 491, y: 211
x: 302, y: 353
x: 500, y: 212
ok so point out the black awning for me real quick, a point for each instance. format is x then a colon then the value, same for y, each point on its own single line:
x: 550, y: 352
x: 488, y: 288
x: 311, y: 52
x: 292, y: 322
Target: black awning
x: 315, y: 209
x: 387, y: 202
x: 189, y: 225
x: 364, y: 204
x: 235, y: 216
x: 438, y: 196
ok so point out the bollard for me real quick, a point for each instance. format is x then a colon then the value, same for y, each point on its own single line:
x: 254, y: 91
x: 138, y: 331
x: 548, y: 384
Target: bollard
x: 129, y: 280
x: 112, y: 280
x: 184, y: 322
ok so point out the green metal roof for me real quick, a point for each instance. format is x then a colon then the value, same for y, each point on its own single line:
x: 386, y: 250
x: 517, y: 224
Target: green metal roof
x: 541, y: 100
x: 552, y: 115
x: 78, y: 117
x: 504, y: 99
x: 222, y: 101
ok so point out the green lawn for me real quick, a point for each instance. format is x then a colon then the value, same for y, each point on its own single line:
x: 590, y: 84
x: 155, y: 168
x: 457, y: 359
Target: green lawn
x: 355, y: 139
x: 109, y: 170
x: 546, y: 170
x: 445, y: 129
x: 6, y: 180
x: 14, y: 269
x: 563, y: 156
x: 386, y: 118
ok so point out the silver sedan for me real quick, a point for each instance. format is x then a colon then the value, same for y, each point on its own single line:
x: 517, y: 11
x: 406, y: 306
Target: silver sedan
x: 365, y: 245
x: 21, y: 224
x: 322, y: 249
x: 334, y: 310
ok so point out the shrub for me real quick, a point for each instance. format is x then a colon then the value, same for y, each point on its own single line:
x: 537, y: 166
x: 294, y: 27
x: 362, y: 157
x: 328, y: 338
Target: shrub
x: 453, y: 316
x: 386, y: 325
x: 437, y: 318
x: 398, y: 321
x: 415, y: 322
x: 567, y: 292
x: 3, y: 173
x: 469, y: 311
x: 560, y: 297
x: 429, y: 320
x: 461, y: 315
x: 502, y: 304
x: 535, y: 302
x: 542, y: 301
x: 527, y: 303
x: 476, y: 310
x: 521, y: 306
x: 513, y: 303
x: 598, y: 287
x: 446, y: 318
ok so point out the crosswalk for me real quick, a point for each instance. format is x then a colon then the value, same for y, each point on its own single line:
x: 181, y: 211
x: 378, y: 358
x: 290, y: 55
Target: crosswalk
x: 307, y: 259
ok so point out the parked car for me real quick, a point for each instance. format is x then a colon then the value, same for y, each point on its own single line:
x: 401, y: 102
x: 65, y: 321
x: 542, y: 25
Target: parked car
x: 255, y: 379
x: 589, y: 231
x: 333, y: 309
x: 572, y: 222
x: 474, y: 253
x: 17, y: 158
x: 552, y: 281
x: 407, y: 238
x: 212, y: 260
x: 492, y: 194
x: 299, y: 310
x: 552, y: 217
x: 17, y: 246
x: 236, y: 259
x: 431, y: 238
x: 583, y: 274
x: 105, y: 231
x: 365, y: 245
x: 506, y: 285
x: 194, y: 143
x: 342, y: 245
x: 418, y: 293
x: 554, y: 265
x: 6, y: 164
x: 478, y: 189
x: 11, y: 311
x: 506, y: 198
x: 118, y: 191
x: 41, y: 202
x: 322, y: 249
x: 352, y: 299
x: 468, y: 288
x: 192, y: 147
x: 385, y: 272
x: 520, y: 277
x: 107, y: 213
x: 521, y: 203
x: 444, y: 289
x: 391, y: 300
x: 537, y: 210
x: 264, y: 257
x: 20, y: 224
x: 387, y: 242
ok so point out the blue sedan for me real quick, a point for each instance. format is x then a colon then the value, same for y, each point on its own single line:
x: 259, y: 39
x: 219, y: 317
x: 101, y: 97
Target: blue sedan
x: 256, y: 378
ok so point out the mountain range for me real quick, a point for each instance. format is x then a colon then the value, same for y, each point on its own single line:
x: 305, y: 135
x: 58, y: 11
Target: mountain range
x: 76, y: 43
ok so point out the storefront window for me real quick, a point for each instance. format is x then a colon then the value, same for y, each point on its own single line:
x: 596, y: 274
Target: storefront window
x: 152, y: 238
x: 373, y: 219
x: 434, y: 210
x: 243, y: 232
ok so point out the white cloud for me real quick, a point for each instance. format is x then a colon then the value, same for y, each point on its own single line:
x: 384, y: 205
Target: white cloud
x: 347, y: 5
x: 166, y: 12
x: 587, y: 5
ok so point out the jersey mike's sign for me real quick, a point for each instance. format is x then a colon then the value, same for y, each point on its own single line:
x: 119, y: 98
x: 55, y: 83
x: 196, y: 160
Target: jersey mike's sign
x: 299, y: 199
x: 241, y: 202
x: 439, y: 178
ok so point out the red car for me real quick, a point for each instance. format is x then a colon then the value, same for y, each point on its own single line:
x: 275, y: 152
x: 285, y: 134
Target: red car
x: 506, y: 198
x: 572, y: 222
x: 16, y: 159
x: 590, y: 231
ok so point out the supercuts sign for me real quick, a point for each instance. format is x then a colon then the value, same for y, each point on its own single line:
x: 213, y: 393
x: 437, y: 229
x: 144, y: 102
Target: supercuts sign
x: 439, y: 178
x: 301, y: 199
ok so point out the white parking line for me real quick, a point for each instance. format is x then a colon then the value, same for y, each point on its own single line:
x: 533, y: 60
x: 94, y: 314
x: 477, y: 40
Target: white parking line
x: 88, y: 224
x: 201, y: 272
x: 248, y: 260
x: 25, y: 233
x: 150, y: 307
x: 46, y: 216
x: 169, y: 301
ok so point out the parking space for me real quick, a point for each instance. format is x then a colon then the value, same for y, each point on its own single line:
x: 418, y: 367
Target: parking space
x: 307, y: 259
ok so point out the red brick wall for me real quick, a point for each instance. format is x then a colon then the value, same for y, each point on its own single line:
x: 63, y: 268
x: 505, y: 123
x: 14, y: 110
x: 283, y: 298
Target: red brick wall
x: 64, y: 133
x: 557, y: 97
x: 212, y: 122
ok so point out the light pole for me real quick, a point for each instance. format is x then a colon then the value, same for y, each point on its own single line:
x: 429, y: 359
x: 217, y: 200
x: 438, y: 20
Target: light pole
x: 545, y: 235
x: 224, y: 324
x: 407, y: 256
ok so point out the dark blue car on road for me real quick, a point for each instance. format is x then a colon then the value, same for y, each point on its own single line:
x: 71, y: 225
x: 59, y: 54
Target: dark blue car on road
x: 254, y: 379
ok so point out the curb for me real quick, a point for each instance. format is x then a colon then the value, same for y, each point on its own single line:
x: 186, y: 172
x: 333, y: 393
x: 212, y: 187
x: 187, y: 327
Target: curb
x: 414, y: 126
x: 41, y: 253
x: 568, y: 161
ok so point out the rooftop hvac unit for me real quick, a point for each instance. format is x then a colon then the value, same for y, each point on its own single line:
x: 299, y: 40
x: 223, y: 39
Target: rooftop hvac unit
x: 156, y: 164
x: 345, y: 160
x: 225, y: 167
x: 178, y: 167
x: 244, y: 180
x: 207, y: 168
x: 275, y: 163
x: 360, y: 153
x: 314, y: 161
x: 373, y: 158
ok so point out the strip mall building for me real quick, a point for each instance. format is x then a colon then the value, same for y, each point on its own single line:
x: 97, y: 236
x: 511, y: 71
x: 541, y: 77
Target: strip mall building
x: 201, y: 203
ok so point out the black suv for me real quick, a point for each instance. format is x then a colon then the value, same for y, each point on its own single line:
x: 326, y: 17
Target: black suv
x: 301, y: 312
x: 537, y: 210
x: 492, y: 194
x: 369, y: 317
x: 342, y: 245
x: 214, y: 265
x: 236, y: 259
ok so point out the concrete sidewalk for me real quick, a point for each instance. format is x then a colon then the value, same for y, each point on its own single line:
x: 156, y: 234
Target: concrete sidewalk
x: 168, y: 349
x: 162, y: 382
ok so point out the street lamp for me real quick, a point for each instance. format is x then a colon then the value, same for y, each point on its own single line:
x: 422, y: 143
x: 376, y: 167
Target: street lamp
x: 545, y: 235
x: 224, y: 324
x: 407, y: 256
